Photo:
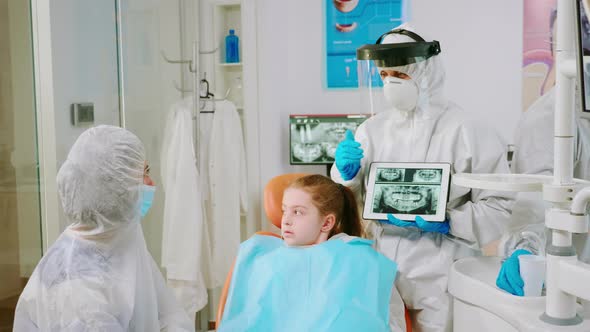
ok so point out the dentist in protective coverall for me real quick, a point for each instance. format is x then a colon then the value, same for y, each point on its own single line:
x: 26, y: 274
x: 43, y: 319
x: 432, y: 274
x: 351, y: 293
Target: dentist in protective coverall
x: 418, y: 124
x: 98, y: 275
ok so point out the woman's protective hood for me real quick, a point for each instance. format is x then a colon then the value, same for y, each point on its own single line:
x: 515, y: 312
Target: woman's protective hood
x: 99, y: 183
x: 99, y: 275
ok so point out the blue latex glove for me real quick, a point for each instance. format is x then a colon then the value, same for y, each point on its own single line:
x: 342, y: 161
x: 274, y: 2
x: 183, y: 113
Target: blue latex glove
x: 509, y: 277
x: 420, y: 223
x: 348, y: 156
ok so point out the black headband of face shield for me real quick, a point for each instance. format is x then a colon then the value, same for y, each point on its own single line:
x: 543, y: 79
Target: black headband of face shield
x: 404, y: 32
x: 398, y: 54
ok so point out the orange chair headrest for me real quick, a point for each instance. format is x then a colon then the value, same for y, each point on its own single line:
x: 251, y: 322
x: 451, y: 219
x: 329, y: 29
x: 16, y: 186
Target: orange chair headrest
x: 273, y: 196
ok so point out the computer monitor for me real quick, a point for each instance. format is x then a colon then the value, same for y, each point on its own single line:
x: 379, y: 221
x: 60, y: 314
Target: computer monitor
x: 583, y: 47
x: 314, y: 137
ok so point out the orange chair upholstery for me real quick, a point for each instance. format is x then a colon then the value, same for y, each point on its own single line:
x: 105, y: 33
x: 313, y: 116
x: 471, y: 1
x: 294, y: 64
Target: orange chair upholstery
x: 273, y: 200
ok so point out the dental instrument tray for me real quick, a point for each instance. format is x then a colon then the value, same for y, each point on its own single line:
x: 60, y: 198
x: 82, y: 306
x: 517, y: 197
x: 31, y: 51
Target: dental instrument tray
x: 313, y: 138
x: 407, y: 190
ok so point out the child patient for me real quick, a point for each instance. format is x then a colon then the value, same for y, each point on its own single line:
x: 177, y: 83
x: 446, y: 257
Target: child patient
x: 320, y: 276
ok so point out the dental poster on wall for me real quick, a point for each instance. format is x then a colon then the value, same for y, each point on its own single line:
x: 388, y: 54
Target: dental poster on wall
x: 351, y: 24
x: 538, y: 68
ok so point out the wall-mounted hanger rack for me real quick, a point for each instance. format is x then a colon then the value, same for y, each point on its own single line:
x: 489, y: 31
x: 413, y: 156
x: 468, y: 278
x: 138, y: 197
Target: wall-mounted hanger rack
x: 199, y: 101
x: 193, y: 67
x: 181, y: 89
x: 205, y: 100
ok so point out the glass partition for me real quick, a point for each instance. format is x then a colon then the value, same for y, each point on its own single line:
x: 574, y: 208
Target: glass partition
x: 20, y: 217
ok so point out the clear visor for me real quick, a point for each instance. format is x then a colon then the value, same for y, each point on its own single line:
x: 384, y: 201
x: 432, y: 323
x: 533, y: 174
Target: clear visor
x: 371, y: 87
x: 395, y: 63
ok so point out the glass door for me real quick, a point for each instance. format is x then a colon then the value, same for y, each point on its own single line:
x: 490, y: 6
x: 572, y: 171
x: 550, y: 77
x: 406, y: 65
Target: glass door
x: 148, y: 32
x: 20, y: 215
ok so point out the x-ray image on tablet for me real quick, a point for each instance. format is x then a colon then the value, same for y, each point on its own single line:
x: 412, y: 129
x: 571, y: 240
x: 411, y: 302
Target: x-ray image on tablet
x: 390, y: 174
x: 407, y: 190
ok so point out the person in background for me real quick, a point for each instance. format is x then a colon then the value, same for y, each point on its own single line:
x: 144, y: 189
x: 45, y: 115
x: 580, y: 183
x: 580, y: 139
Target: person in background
x: 533, y: 154
x: 99, y: 275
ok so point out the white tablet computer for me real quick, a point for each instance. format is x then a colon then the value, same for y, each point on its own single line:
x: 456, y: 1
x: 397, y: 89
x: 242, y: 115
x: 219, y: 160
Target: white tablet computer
x: 407, y: 190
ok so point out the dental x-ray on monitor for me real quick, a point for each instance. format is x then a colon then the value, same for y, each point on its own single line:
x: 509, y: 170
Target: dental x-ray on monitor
x: 407, y: 190
x: 583, y: 43
x: 314, y: 138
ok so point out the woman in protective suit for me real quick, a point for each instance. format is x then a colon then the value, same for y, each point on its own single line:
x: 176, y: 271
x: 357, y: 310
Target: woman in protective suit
x: 98, y: 275
x: 418, y: 124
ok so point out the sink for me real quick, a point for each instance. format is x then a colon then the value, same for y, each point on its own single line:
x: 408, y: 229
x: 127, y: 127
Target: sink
x: 478, y: 303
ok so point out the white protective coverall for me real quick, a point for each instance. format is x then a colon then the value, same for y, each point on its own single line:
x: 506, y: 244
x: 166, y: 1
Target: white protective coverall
x: 98, y: 275
x: 533, y: 154
x: 436, y: 131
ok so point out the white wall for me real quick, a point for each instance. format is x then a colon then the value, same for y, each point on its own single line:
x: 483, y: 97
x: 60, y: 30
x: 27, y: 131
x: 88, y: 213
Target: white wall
x: 481, y: 46
x: 84, y: 65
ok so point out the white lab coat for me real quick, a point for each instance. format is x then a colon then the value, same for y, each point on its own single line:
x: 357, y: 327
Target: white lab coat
x: 185, y: 239
x: 224, y: 173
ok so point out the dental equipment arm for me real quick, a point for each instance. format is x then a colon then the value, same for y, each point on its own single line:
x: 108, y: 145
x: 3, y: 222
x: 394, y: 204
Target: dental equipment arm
x: 565, y: 275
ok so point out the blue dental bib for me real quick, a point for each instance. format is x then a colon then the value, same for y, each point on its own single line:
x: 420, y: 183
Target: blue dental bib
x: 334, y: 286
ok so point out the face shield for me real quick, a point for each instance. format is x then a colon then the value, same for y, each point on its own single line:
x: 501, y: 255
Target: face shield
x: 392, y: 71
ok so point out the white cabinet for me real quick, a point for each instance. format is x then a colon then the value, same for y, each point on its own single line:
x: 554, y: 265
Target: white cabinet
x: 221, y: 16
x: 216, y: 18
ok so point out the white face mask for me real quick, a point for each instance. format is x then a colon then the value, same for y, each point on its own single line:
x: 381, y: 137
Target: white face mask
x: 400, y: 94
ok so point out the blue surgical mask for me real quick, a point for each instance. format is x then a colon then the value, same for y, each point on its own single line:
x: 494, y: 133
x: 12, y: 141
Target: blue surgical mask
x: 147, y: 197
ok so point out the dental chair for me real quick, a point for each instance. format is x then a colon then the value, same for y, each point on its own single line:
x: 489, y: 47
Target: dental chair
x: 273, y: 199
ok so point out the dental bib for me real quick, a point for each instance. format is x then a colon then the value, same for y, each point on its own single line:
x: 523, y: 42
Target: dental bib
x: 333, y: 286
